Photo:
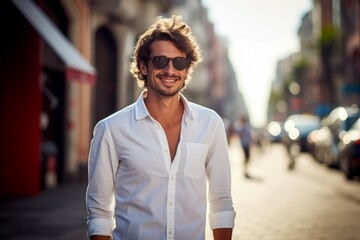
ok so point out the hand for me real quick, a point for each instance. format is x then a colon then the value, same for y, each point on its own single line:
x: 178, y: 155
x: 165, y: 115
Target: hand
x: 222, y: 233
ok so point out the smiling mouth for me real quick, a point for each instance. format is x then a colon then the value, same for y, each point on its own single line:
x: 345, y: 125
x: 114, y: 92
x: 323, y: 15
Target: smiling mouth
x: 168, y: 80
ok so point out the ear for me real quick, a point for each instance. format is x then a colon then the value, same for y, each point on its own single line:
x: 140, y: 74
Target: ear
x: 143, y: 68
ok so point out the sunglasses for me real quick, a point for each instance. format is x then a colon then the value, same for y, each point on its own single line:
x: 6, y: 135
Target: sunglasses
x: 179, y: 63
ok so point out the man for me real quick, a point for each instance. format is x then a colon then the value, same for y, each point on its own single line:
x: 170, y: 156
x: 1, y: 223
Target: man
x: 243, y: 128
x: 148, y: 163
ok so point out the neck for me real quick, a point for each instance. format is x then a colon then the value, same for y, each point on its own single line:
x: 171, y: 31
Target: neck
x: 165, y: 110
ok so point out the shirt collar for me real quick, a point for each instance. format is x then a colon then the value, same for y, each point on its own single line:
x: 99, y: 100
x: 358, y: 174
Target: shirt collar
x: 189, y: 113
x: 141, y: 110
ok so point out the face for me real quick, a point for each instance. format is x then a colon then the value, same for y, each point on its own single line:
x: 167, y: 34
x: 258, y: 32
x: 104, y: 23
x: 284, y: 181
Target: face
x: 167, y: 81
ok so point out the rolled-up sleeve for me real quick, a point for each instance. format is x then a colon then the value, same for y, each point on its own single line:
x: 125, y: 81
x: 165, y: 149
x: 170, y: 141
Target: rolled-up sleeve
x: 100, y: 191
x: 222, y: 214
x: 222, y: 220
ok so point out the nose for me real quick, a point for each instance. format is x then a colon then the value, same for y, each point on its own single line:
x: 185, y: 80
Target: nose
x: 170, y: 68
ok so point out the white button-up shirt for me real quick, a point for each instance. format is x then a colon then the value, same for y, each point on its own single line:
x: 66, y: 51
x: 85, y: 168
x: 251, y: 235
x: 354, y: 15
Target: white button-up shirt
x: 133, y: 182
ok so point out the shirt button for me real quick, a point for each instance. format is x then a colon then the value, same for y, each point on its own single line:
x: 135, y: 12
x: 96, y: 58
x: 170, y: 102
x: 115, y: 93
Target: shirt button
x: 170, y: 232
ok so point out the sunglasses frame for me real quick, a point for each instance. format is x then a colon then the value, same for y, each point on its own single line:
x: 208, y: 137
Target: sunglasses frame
x: 188, y: 61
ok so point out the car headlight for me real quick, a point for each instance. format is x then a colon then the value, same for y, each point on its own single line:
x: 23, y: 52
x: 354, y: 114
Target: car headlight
x: 274, y: 128
x: 294, y: 134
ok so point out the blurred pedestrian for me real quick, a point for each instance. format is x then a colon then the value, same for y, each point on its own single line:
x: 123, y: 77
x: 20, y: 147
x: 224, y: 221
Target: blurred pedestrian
x: 244, y: 130
x: 228, y: 128
x: 154, y: 156
x: 259, y: 138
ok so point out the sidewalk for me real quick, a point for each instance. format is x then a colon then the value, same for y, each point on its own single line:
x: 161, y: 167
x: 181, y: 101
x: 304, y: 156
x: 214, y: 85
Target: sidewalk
x: 57, y: 214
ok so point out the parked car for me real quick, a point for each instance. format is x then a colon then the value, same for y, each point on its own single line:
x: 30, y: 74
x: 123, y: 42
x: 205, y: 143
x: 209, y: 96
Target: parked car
x: 349, y: 147
x: 315, y: 141
x: 319, y: 140
x: 338, y: 121
x: 298, y: 127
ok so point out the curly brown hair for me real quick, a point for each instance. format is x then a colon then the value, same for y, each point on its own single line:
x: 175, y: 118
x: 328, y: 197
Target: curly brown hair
x: 172, y: 29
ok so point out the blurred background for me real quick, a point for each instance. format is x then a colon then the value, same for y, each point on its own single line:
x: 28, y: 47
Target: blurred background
x: 64, y: 66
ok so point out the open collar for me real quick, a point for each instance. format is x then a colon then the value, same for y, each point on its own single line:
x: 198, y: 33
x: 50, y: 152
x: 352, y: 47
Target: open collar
x: 141, y: 110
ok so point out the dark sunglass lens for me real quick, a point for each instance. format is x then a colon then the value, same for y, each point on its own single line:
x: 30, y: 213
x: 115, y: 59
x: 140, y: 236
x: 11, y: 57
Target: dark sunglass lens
x: 160, y: 61
x: 180, y: 63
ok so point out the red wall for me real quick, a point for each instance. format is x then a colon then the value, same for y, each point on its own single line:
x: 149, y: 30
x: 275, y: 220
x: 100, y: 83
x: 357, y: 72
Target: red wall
x: 20, y: 105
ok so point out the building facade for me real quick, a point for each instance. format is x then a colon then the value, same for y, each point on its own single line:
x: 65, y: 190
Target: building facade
x: 65, y: 66
x: 329, y: 38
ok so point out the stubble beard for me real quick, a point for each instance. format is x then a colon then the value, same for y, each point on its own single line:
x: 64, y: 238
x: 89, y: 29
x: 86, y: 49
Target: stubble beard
x: 164, y: 91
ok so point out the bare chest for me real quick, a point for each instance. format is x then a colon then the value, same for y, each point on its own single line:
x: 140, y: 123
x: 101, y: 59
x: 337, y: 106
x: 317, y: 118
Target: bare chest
x: 173, y: 137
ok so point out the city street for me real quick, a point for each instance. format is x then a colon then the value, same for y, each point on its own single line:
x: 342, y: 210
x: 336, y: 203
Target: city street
x: 308, y: 203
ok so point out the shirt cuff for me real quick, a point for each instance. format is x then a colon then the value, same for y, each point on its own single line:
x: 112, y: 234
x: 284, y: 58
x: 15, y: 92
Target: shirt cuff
x: 222, y: 219
x: 100, y: 226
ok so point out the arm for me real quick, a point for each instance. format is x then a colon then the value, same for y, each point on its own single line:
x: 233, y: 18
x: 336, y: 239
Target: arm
x: 222, y: 233
x: 100, y: 190
x: 222, y: 214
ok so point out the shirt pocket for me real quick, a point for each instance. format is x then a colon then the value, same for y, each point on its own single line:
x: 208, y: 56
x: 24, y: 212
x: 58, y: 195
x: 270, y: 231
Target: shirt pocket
x: 196, y: 154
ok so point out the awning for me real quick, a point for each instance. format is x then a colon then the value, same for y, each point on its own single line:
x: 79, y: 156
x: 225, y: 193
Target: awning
x: 77, y: 67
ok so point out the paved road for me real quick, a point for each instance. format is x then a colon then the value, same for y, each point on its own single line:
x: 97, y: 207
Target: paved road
x: 309, y: 203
